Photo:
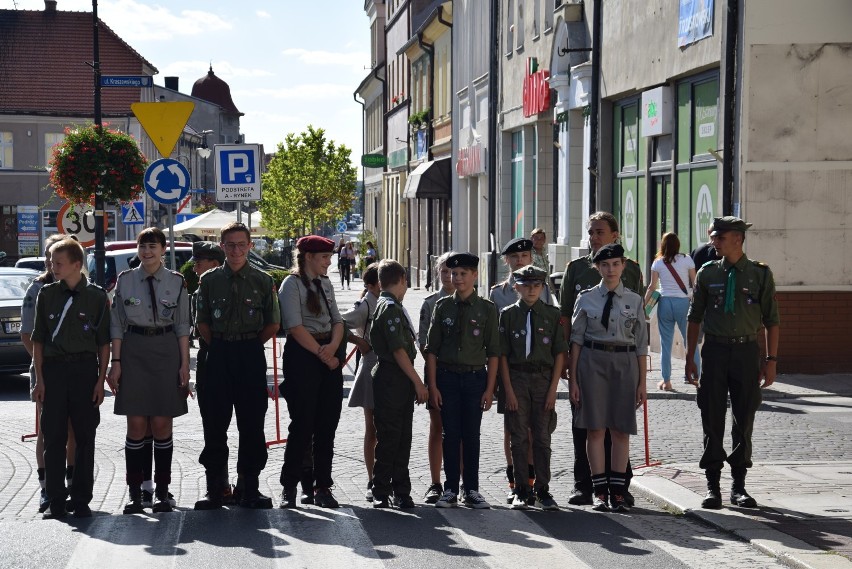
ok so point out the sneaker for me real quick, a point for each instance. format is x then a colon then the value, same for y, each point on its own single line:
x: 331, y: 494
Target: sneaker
x: 403, y: 502
x: 545, y: 501
x: 433, y: 494
x: 162, y: 506
x: 306, y: 498
x: 325, y: 499
x: 368, y: 495
x: 381, y: 502
x: 134, y: 507
x: 473, y: 499
x: 519, y: 502
x: 147, y: 499
x: 580, y: 498
x: 628, y: 498
x: 210, y: 502
x: 617, y: 503
x: 447, y: 500
x: 599, y: 502
x: 43, y: 502
x: 288, y: 498
x: 510, y: 497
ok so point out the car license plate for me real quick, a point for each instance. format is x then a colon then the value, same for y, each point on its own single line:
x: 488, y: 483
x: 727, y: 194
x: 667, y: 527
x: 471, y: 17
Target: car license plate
x: 13, y: 327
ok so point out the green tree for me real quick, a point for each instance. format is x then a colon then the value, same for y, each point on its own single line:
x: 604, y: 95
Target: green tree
x: 309, y: 180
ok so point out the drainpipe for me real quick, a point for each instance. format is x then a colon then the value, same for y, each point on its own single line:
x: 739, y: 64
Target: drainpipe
x: 729, y: 115
x: 594, y: 106
x: 493, y: 70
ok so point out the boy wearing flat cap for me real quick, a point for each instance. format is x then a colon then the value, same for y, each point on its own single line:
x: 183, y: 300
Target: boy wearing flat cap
x: 734, y: 297
x: 462, y: 356
x: 533, y: 348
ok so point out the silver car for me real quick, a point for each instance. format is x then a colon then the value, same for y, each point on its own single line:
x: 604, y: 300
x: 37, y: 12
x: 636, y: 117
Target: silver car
x: 13, y: 286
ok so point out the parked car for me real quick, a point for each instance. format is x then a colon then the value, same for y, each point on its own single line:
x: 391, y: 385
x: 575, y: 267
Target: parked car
x: 34, y: 263
x: 13, y: 286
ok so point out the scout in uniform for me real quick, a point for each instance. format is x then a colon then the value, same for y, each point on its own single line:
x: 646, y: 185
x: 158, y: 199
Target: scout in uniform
x: 150, y: 363
x: 609, y: 345
x: 580, y: 274
x: 396, y: 386
x: 312, y: 369
x: 237, y: 313
x: 734, y: 297
x: 436, y: 489
x: 462, y: 357
x: 533, y: 348
x: 70, y: 349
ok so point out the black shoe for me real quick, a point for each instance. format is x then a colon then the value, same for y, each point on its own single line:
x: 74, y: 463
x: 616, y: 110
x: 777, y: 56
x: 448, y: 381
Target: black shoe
x: 306, y: 498
x: 628, y: 498
x: 70, y: 505
x: 381, y: 502
x: 228, y: 496
x: 56, y: 511
x: 210, y: 502
x: 712, y: 500
x: 403, y: 502
x: 82, y: 511
x: 288, y: 498
x: 599, y: 502
x: 433, y: 494
x: 162, y: 504
x: 134, y: 507
x: 618, y: 503
x: 147, y: 499
x: 256, y: 501
x: 579, y: 498
x: 43, y: 502
x: 741, y: 498
x: 325, y: 499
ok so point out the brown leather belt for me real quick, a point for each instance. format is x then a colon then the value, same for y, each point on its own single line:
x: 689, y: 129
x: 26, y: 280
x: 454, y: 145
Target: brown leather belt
x: 459, y: 368
x: 531, y: 368
x: 321, y: 335
x: 730, y: 339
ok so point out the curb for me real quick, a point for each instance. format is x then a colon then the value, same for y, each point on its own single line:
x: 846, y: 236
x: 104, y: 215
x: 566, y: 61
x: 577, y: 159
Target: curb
x: 789, y: 550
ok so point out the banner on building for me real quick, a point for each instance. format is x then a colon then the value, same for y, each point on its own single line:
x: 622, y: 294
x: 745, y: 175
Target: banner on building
x: 695, y: 21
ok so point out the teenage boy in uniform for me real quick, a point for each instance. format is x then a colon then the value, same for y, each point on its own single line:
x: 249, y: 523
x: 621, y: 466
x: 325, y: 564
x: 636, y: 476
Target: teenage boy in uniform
x: 533, y: 350
x: 462, y: 356
x: 396, y: 385
x: 71, y: 353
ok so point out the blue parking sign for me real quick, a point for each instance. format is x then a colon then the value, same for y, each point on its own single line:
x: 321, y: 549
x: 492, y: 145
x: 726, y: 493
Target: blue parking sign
x: 238, y: 172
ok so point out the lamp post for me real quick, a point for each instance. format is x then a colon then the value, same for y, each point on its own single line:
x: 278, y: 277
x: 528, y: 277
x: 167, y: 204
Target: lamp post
x: 100, y: 252
x: 204, y: 152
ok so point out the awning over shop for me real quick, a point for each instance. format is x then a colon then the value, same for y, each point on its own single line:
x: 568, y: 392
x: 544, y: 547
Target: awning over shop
x: 430, y: 180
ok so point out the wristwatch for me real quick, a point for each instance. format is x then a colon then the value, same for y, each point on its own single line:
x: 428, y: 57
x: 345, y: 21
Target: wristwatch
x: 772, y: 358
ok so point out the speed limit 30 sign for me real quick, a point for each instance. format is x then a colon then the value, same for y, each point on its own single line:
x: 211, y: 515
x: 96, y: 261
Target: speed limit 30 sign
x: 79, y: 221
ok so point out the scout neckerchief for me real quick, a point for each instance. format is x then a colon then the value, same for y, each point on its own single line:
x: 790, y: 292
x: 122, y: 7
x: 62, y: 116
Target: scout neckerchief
x: 71, y: 294
x: 731, y: 290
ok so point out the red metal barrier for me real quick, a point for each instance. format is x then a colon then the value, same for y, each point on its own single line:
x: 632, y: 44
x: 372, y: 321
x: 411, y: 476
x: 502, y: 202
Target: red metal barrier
x: 648, y: 462
x: 35, y: 434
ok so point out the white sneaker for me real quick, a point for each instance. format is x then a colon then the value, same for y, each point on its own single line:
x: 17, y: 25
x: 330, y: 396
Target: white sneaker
x: 518, y: 503
x: 474, y: 499
x: 447, y: 500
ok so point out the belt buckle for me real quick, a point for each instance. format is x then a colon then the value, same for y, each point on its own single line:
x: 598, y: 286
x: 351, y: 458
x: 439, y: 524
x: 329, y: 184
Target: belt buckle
x: 149, y: 331
x: 609, y: 347
x: 739, y: 339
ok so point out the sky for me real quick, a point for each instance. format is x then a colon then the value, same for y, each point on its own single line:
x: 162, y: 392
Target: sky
x: 289, y: 63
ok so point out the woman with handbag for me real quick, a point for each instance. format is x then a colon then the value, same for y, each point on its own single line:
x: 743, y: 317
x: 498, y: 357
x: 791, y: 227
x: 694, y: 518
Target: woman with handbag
x: 672, y: 271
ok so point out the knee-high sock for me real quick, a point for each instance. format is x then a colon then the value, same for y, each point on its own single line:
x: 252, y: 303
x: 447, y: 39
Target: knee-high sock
x: 163, y: 450
x: 134, y: 456
x: 148, y: 463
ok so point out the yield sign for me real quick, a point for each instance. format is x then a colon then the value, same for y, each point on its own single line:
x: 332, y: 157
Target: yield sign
x: 163, y: 122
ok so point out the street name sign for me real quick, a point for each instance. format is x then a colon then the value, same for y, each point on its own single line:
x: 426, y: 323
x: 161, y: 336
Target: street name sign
x: 137, y: 81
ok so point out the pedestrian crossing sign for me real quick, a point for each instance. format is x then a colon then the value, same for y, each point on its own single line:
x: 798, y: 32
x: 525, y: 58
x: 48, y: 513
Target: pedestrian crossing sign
x: 133, y: 213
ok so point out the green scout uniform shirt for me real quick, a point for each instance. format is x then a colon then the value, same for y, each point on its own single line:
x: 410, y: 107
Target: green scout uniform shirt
x: 391, y: 330
x: 464, y: 332
x: 241, y: 302
x: 548, y: 340
x: 754, y: 299
x: 504, y: 295
x: 581, y: 274
x: 85, y: 325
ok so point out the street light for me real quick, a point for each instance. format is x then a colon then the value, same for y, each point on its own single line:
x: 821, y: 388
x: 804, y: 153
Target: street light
x: 204, y: 152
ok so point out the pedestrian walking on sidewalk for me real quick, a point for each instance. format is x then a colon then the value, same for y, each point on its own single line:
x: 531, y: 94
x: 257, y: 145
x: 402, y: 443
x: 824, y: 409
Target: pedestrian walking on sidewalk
x: 609, y: 346
x: 674, y: 272
x: 237, y: 313
x: 70, y: 349
x: 734, y: 297
x: 533, y: 348
x: 436, y: 429
x: 312, y: 366
x: 396, y: 387
x: 462, y: 357
x: 580, y: 274
x: 149, y: 326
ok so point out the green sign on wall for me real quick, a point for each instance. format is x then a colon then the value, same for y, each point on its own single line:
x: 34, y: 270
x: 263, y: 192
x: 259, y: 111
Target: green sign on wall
x: 374, y: 160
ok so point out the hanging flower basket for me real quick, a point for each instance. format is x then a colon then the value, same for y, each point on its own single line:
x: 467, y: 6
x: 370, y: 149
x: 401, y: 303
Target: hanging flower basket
x: 93, y: 159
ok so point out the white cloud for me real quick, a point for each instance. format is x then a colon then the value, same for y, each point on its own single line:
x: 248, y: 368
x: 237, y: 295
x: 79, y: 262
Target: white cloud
x: 223, y: 69
x: 355, y: 59
x: 263, y: 14
x: 305, y: 92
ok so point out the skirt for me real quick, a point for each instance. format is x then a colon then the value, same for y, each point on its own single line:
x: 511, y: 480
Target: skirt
x: 608, y: 382
x: 149, y: 384
x: 361, y: 394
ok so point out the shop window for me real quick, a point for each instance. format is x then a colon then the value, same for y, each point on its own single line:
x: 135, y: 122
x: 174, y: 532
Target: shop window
x: 6, y: 150
x: 629, y: 188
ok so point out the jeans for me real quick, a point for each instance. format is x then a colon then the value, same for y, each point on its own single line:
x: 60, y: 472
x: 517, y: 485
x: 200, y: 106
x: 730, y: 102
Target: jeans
x: 670, y: 311
x: 461, y: 415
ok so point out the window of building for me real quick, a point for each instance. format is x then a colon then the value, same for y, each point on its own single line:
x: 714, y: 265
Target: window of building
x: 510, y: 27
x: 51, y: 139
x: 6, y: 150
x: 519, y: 29
x: 535, y: 18
x: 549, y: 7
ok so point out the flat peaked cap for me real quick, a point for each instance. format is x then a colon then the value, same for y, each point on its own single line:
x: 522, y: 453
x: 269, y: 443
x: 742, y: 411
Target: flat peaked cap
x: 463, y: 260
x: 530, y: 274
x: 315, y: 244
x: 207, y: 250
x: 728, y: 223
x: 517, y: 245
x: 611, y: 251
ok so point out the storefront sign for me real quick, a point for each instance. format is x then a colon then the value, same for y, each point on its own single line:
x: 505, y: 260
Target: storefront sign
x: 695, y: 21
x: 374, y: 160
x: 657, y: 112
x: 398, y: 158
x: 470, y: 161
x: 420, y: 145
x: 28, y: 221
x: 536, y: 94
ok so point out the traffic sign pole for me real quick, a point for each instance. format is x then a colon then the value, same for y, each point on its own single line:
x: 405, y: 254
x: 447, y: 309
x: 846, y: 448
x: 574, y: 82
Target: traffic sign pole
x: 172, y: 233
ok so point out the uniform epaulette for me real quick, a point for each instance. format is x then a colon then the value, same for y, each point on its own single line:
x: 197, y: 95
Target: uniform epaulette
x: 505, y: 308
x: 489, y: 301
x: 586, y: 290
x: 434, y: 294
x: 707, y: 263
x: 760, y: 264
x: 577, y: 260
x: 97, y: 286
x: 125, y: 271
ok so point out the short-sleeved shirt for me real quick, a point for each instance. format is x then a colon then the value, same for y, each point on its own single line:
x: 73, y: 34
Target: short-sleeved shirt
x: 426, y: 310
x: 133, y: 305
x: 241, y: 302
x: 29, y: 305
x: 504, y: 295
x: 358, y: 319
x: 391, y: 330
x: 71, y: 328
x: 548, y: 340
x: 581, y: 274
x: 754, y: 298
x: 668, y: 285
x: 464, y: 332
x: 626, y: 318
x: 293, y: 297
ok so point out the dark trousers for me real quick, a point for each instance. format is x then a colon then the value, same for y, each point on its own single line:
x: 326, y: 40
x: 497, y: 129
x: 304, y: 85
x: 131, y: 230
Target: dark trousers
x: 345, y: 271
x: 234, y: 382
x: 393, y: 414
x: 201, y: 363
x: 314, y: 396
x: 461, y: 415
x: 68, y: 389
x: 531, y: 389
x: 727, y: 369
x: 582, y: 470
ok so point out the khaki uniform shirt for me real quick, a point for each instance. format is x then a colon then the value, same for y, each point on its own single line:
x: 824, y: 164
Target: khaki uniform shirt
x: 358, y: 319
x: 581, y: 274
x: 464, y: 332
x: 71, y: 328
x: 754, y: 299
x: 504, y: 295
x: 241, y: 302
x: 132, y: 304
x: 627, y: 318
x: 391, y: 330
x: 426, y: 310
x: 547, y: 338
x: 293, y: 297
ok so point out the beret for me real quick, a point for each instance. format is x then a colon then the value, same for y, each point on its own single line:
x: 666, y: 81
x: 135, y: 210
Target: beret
x: 611, y: 251
x: 315, y: 244
x: 207, y: 250
x: 728, y: 223
x: 517, y: 245
x: 463, y: 260
x: 530, y: 274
